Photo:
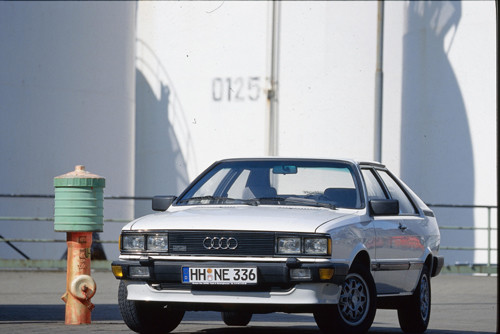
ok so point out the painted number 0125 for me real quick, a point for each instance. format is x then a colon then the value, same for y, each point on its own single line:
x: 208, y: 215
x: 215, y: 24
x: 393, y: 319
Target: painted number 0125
x: 236, y: 89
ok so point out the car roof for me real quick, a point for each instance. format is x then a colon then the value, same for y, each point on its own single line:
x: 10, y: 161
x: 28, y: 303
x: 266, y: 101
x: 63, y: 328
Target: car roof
x: 372, y: 164
x: 352, y: 161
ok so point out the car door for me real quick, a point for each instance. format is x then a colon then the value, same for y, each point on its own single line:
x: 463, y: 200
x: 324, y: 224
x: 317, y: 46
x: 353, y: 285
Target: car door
x: 410, y: 242
x: 390, y: 266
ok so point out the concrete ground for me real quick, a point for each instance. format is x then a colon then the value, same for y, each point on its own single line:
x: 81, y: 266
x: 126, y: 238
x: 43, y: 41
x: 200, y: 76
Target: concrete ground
x: 30, y: 303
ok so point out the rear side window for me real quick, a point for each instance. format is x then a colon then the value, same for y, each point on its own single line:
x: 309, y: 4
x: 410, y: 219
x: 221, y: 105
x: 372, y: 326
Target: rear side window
x: 405, y: 205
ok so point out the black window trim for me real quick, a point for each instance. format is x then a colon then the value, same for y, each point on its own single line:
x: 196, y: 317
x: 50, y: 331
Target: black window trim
x: 375, y: 168
x: 410, y: 198
x: 379, y: 180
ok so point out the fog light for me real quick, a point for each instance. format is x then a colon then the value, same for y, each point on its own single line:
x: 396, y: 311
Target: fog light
x: 138, y: 271
x: 300, y: 274
x: 117, y: 271
x: 326, y: 273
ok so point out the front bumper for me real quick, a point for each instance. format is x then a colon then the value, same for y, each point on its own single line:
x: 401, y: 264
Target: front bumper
x: 270, y: 274
x: 304, y: 297
x: 276, y: 285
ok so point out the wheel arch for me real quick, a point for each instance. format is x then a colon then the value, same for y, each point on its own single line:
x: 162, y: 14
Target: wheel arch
x: 363, y: 258
x: 433, y: 262
x: 435, y: 265
x: 429, y: 262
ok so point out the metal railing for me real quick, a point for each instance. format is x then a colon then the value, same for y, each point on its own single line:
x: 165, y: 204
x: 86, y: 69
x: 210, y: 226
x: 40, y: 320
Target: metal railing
x: 32, y: 196
x: 490, y: 268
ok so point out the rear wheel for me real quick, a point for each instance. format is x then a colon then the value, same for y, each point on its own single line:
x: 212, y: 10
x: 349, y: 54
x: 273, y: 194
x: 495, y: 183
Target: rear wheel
x: 236, y: 318
x: 415, y: 312
x: 356, y: 308
x: 147, y: 317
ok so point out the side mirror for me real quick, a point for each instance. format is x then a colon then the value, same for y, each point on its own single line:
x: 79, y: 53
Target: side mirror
x: 384, y: 207
x: 162, y: 203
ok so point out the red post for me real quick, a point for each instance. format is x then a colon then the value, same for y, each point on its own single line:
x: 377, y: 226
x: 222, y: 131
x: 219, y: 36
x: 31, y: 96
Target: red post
x: 80, y: 287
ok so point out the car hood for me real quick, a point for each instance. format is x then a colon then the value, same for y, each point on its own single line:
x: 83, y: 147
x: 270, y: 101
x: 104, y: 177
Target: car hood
x: 239, y: 218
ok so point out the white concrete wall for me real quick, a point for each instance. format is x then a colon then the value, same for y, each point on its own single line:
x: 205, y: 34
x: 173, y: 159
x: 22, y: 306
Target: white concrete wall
x: 67, y: 97
x: 440, y: 85
x: 327, y: 79
x: 200, y: 48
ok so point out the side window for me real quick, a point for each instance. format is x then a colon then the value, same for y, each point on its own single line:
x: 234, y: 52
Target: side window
x: 373, y: 187
x: 405, y: 205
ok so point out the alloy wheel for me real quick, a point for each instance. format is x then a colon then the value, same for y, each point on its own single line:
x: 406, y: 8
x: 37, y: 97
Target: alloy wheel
x: 424, y: 297
x: 354, y: 300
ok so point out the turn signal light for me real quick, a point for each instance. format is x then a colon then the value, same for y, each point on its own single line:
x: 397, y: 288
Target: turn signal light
x: 326, y: 273
x: 117, y: 271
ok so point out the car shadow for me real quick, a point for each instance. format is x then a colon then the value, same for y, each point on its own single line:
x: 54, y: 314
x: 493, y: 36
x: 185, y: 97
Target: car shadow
x: 260, y: 324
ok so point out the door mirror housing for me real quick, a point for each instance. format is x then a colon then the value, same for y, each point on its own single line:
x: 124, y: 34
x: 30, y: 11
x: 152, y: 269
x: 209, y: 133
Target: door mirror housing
x: 384, y: 207
x: 162, y: 203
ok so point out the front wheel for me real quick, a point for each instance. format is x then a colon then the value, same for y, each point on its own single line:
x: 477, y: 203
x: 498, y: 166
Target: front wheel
x: 415, y: 312
x: 356, y: 308
x: 147, y: 317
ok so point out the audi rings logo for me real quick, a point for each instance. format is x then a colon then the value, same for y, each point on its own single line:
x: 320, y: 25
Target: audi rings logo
x: 217, y: 243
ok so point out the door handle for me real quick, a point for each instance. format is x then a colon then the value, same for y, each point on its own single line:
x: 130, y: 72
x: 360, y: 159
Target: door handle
x: 402, y: 227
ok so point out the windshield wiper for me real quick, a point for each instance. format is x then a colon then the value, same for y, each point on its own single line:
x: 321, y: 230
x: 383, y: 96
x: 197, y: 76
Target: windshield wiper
x: 199, y: 198
x: 309, y: 202
x: 220, y: 200
x: 258, y: 201
x: 271, y: 199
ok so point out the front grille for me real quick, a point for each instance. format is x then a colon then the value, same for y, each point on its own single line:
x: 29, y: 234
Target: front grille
x: 249, y: 243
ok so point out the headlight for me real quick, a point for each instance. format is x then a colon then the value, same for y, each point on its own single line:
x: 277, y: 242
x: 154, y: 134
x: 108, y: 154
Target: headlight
x: 317, y: 246
x: 138, y: 271
x: 305, y: 245
x: 158, y: 243
x: 133, y: 242
x: 289, y: 245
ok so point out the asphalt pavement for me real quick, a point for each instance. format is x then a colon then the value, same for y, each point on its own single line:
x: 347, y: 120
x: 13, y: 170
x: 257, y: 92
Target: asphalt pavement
x: 30, y: 302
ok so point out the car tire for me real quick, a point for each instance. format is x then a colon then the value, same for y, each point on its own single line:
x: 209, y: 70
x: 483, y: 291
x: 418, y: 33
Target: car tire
x: 147, y: 317
x: 415, y: 312
x: 231, y: 318
x: 356, y: 309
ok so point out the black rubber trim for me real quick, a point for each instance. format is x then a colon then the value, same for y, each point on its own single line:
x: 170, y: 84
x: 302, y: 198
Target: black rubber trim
x: 437, y: 265
x: 428, y: 213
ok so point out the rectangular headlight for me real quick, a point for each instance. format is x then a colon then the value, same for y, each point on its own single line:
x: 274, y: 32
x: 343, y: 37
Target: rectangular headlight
x: 300, y: 274
x: 158, y: 243
x: 133, y: 242
x: 317, y: 246
x: 138, y: 271
x: 289, y: 245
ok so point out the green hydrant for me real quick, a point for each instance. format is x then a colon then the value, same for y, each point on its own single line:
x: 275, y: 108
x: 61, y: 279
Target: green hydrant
x: 78, y: 210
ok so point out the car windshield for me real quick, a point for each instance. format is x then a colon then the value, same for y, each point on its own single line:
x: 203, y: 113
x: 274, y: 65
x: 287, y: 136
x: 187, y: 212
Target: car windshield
x: 276, y: 182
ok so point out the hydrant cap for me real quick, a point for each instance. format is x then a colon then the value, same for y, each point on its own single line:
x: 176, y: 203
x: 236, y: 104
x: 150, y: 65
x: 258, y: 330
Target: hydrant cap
x: 83, y: 287
x: 79, y: 177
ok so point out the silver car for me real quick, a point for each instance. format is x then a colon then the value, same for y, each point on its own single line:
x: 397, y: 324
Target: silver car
x: 336, y: 238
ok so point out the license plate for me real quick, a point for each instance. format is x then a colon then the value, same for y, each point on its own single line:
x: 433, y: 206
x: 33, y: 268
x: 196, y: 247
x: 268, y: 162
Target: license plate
x: 208, y: 275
